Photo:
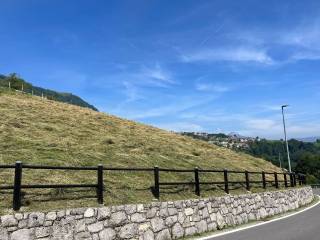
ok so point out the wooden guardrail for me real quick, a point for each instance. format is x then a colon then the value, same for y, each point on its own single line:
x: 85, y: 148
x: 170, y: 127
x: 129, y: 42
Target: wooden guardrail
x: 100, y: 170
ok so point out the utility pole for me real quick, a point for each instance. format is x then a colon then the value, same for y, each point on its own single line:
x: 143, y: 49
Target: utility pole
x: 285, y: 136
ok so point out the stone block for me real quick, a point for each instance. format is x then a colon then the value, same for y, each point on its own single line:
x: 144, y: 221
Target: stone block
x: 36, y: 219
x: 128, y: 231
x: 8, y: 221
x: 95, y: 227
x: 177, y: 231
x: 157, y: 224
x: 107, y: 234
x: 89, y: 213
x: 118, y: 218
x: 163, y: 235
x: 22, y: 234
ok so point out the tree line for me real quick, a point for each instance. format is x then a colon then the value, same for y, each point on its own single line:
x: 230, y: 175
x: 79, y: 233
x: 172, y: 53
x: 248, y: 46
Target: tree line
x: 305, y: 156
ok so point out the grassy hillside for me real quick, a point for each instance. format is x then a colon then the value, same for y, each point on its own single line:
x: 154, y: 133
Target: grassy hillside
x: 17, y: 83
x: 39, y: 131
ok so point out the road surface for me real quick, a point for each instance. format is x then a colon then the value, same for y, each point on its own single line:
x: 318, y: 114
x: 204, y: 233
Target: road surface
x: 305, y: 225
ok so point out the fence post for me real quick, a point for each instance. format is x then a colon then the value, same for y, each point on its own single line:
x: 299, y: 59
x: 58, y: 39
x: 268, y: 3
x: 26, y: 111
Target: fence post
x: 196, y: 181
x: 100, y: 184
x: 226, y: 182
x: 17, y: 186
x: 264, y: 185
x: 156, y: 182
x: 285, y: 180
x: 299, y: 179
x: 294, y: 180
x: 276, y: 179
x: 247, y: 181
x: 291, y: 180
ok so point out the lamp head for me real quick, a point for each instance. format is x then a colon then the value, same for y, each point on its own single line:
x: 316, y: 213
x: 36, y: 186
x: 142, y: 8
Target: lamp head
x: 283, y: 106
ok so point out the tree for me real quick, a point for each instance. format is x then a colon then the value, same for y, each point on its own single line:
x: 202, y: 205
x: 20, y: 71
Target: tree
x: 14, y: 80
x: 18, y: 83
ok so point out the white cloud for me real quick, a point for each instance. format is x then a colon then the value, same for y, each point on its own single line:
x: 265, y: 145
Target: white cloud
x: 300, y: 42
x: 304, y: 130
x: 169, y: 107
x: 306, y: 35
x: 156, y: 74
x: 306, y: 41
x: 272, y: 107
x: 262, y: 124
x: 151, y: 76
x: 131, y: 92
x: 211, y: 87
x: 133, y: 82
x: 181, y: 127
x: 273, y: 129
x: 237, y: 54
x: 306, y: 55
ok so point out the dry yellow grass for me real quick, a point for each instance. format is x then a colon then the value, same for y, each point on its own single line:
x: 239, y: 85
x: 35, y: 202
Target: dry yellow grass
x: 37, y: 131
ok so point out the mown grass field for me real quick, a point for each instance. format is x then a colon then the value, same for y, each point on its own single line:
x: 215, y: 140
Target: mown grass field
x: 37, y: 131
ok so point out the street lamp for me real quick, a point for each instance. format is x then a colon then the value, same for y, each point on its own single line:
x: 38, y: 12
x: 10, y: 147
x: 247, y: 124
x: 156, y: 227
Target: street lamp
x: 285, y: 136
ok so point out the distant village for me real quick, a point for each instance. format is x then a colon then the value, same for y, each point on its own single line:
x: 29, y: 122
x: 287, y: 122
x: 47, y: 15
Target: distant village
x: 231, y: 140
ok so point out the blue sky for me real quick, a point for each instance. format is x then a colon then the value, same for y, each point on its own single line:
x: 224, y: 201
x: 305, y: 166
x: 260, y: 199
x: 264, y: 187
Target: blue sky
x: 215, y: 66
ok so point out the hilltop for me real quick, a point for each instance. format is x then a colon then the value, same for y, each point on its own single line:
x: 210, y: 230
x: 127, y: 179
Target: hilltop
x: 20, y: 84
x: 40, y: 131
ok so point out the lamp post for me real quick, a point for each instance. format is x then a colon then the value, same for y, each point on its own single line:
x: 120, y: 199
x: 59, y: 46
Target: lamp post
x: 285, y: 136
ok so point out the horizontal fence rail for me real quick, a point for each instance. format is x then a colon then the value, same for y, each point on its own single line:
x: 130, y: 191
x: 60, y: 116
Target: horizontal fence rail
x: 290, y: 179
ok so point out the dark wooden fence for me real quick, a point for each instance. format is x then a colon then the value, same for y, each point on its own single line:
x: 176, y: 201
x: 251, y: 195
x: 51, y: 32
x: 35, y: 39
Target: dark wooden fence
x: 290, y: 179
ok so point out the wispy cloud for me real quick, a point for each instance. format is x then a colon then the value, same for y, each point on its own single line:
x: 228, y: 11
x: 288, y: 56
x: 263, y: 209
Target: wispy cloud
x: 273, y: 129
x: 262, y: 124
x: 135, y: 81
x: 237, y: 54
x: 131, y: 91
x: 301, y: 42
x: 209, y: 87
x: 306, y: 35
x: 181, y: 127
x: 155, y: 75
x: 176, y: 106
x: 270, y: 107
x: 305, y: 55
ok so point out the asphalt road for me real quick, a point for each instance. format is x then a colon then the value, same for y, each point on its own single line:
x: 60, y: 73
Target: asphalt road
x: 305, y: 225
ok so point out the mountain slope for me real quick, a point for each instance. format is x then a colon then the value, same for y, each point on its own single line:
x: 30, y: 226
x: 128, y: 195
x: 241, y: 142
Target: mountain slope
x: 18, y: 83
x: 39, y: 131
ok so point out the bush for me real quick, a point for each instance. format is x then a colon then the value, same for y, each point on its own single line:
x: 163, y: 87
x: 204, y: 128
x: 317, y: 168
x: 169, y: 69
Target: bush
x: 312, y: 179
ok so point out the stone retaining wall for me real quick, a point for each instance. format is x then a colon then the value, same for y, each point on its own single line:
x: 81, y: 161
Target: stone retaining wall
x: 157, y: 220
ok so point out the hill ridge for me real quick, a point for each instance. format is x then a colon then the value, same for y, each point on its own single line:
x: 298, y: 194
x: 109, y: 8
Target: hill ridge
x: 17, y: 83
